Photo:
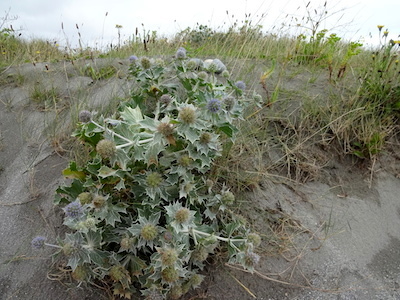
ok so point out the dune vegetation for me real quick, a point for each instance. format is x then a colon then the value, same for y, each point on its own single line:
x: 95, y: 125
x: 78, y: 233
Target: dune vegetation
x: 156, y: 180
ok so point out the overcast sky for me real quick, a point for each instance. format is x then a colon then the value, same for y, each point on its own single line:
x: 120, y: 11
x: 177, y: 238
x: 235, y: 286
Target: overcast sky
x: 96, y: 19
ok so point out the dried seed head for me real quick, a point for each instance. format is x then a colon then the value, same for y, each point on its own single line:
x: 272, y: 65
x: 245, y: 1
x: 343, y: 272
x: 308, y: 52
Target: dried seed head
x: 106, y: 148
x: 251, y: 259
x: 98, y: 201
x: 168, y: 236
x: 165, y: 129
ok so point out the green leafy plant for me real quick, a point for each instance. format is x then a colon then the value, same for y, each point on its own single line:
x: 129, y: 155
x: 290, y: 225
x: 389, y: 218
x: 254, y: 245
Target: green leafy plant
x: 143, y: 214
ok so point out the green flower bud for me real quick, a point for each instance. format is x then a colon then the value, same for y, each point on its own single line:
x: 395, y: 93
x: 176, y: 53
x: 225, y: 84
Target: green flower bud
x: 118, y: 273
x: 80, y: 273
x: 196, y: 280
x: 90, y: 223
x: 225, y: 74
x: 203, y: 75
x: 228, y: 198
x: 106, y: 148
x: 257, y: 98
x: 85, y: 198
x: 126, y: 243
x: 69, y: 249
x: 254, y: 238
x: 148, y: 232
x: 185, y: 161
x: 154, y: 179
x: 182, y: 215
x: 200, y: 254
x: 145, y: 62
x: 169, y: 274
x: 191, y: 64
x: 168, y: 256
x: 205, y: 138
x: 187, y: 115
x: 175, y: 292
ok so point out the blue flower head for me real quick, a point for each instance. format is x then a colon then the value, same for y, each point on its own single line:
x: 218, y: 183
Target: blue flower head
x: 181, y: 53
x: 133, y: 58
x: 214, y: 105
x: 38, y: 242
x: 240, y: 85
x: 73, y: 210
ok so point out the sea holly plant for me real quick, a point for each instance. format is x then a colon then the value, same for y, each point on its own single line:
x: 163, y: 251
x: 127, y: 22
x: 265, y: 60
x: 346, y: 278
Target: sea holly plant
x: 143, y: 213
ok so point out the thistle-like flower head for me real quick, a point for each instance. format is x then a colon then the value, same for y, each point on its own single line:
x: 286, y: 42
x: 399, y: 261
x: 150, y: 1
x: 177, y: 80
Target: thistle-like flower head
x: 85, y: 198
x: 85, y: 116
x: 228, y: 198
x: 251, y: 259
x: 73, y: 210
x: 254, y: 238
x: 240, y: 85
x: 154, y: 179
x: 133, y: 58
x: 205, y: 138
x: 106, y: 148
x: 166, y: 129
x: 165, y: 99
x: 202, y: 75
x: 214, y: 105
x: 38, y: 242
x: 187, y: 115
x: 145, y: 62
x: 180, y: 53
x: 149, y: 232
